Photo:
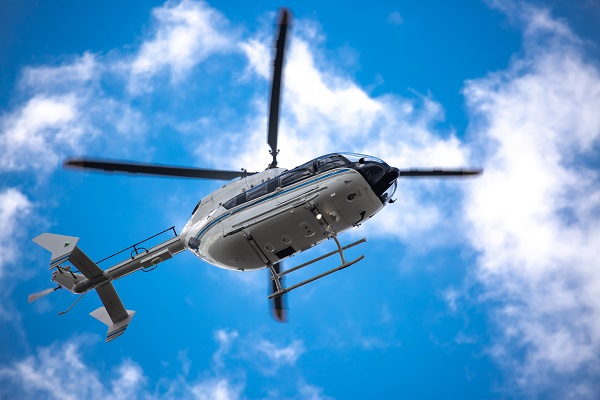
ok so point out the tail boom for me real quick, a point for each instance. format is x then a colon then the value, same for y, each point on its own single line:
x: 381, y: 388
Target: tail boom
x: 113, y: 313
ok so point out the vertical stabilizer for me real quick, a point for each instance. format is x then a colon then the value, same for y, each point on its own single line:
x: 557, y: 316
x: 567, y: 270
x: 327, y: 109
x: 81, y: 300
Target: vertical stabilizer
x: 114, y: 329
x: 59, y: 245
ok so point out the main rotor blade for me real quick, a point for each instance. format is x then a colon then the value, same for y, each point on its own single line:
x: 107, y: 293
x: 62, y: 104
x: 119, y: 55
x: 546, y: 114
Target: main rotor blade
x: 278, y: 303
x: 153, y: 169
x: 417, y: 173
x: 276, y: 86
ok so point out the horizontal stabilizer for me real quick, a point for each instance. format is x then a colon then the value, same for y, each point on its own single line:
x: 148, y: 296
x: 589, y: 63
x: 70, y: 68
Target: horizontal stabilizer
x: 114, y: 329
x: 64, y: 248
x: 59, y: 245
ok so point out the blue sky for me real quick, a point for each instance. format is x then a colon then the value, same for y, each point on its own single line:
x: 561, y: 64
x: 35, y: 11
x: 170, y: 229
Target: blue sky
x: 482, y: 288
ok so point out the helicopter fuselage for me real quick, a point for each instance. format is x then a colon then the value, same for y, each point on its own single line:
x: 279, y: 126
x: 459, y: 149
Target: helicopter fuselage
x: 285, y: 212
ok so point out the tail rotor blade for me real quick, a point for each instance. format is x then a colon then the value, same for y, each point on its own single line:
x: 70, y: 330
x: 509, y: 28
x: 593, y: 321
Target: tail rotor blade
x: 278, y: 303
x: 276, y: 86
x: 33, y: 297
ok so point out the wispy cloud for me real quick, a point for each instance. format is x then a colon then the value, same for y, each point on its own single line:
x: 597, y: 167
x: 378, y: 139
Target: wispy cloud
x: 58, y: 372
x: 280, y: 355
x: 225, y: 340
x: 266, y: 356
x: 62, y: 371
x: 185, y: 34
x: 15, y: 208
x: 535, y: 213
x: 35, y: 134
x: 66, y: 108
x: 395, y: 18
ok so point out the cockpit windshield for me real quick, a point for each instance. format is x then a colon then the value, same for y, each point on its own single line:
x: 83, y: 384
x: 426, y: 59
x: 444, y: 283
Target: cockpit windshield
x: 389, y: 193
x: 356, y: 157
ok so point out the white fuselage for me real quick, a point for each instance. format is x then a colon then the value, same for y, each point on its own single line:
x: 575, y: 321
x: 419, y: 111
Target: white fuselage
x: 279, y: 222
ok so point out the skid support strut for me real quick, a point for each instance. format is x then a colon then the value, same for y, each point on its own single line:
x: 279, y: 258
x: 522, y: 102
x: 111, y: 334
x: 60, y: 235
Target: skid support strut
x: 331, y: 234
x: 264, y: 259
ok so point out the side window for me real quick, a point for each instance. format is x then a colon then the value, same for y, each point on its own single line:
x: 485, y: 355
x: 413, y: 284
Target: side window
x: 254, y: 193
x: 325, y: 164
x: 236, y: 201
x: 229, y: 204
x: 294, y: 176
x: 257, y: 192
x: 240, y: 199
x: 273, y: 184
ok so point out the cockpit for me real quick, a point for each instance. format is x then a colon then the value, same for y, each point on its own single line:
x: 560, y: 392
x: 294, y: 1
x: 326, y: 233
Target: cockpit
x: 376, y: 172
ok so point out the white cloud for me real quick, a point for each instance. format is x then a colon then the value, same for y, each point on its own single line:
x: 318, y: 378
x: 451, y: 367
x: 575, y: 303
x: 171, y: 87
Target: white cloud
x: 257, y: 54
x: 186, y: 33
x: 535, y: 214
x: 15, y: 214
x: 67, y: 108
x: 58, y: 372
x: 395, y: 18
x: 278, y: 355
x: 311, y: 392
x: 14, y: 209
x: 40, y: 131
x: 266, y: 355
x: 79, y: 71
x: 225, y: 340
x: 220, y: 389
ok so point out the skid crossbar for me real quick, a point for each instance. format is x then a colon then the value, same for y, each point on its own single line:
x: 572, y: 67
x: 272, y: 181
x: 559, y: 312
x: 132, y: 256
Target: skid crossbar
x: 287, y: 271
x: 344, y: 264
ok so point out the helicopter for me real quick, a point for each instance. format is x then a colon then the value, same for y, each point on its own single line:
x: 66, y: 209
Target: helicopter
x: 253, y: 222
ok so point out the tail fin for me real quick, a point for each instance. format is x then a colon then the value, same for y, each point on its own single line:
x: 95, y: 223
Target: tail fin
x: 114, y: 329
x: 64, y: 248
x: 60, y: 246
x: 113, y: 313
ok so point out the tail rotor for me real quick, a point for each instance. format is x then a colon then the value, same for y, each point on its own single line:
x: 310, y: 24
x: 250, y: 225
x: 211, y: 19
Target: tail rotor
x: 35, y: 296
